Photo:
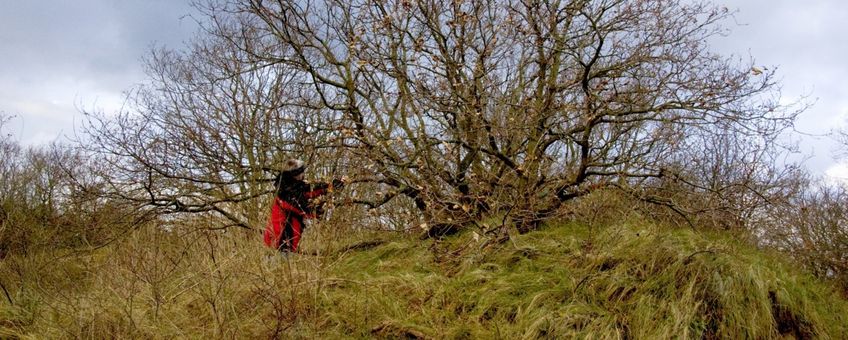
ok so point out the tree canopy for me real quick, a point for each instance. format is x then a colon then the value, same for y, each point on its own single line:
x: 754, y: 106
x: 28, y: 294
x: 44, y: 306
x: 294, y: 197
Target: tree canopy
x: 460, y: 109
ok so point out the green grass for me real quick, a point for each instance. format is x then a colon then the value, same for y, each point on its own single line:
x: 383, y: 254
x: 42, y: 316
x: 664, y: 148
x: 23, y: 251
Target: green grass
x: 636, y: 280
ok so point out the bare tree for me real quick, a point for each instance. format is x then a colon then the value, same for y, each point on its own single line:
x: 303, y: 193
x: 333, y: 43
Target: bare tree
x: 204, y: 135
x: 41, y: 204
x: 841, y: 136
x: 463, y: 108
x: 473, y: 107
x: 813, y: 229
x: 726, y: 179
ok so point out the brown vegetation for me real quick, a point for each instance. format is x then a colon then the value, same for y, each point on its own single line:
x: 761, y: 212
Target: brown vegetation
x: 493, y: 116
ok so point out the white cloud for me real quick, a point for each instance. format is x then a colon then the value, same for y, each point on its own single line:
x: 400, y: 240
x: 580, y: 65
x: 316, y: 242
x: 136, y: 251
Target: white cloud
x: 837, y: 173
x: 58, y: 57
x: 805, y: 41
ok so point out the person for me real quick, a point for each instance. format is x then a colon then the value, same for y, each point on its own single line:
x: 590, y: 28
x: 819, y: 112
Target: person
x: 292, y: 206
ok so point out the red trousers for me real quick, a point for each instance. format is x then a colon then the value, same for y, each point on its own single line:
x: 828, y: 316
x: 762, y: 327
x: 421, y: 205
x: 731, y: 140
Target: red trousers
x: 284, y: 226
x: 286, y: 222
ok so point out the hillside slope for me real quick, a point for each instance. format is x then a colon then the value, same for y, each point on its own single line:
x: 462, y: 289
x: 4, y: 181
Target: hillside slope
x: 621, y: 282
x: 633, y: 280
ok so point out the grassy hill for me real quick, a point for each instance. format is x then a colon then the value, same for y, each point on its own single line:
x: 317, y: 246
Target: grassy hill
x: 633, y: 280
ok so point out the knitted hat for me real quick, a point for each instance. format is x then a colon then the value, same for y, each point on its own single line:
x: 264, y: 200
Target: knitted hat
x: 293, y: 167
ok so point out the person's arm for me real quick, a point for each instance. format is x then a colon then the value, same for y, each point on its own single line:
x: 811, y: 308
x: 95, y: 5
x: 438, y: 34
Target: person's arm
x: 317, y: 189
x: 321, y: 188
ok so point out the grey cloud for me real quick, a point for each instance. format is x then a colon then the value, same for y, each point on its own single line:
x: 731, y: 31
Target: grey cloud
x: 56, y: 56
x: 93, y: 38
x: 807, y: 43
x: 65, y: 53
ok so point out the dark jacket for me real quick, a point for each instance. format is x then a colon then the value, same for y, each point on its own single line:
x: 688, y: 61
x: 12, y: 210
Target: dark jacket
x: 298, y: 193
x: 291, y: 207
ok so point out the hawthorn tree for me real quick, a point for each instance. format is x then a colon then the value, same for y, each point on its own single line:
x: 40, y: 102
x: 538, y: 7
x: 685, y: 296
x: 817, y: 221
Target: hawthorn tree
x: 205, y: 133
x: 459, y: 108
x: 474, y: 107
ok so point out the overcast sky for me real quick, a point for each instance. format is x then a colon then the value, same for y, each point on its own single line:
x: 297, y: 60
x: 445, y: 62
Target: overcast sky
x: 808, y: 43
x: 59, y: 56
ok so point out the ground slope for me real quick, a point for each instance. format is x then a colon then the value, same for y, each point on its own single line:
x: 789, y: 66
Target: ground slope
x: 626, y: 281
x: 631, y: 280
